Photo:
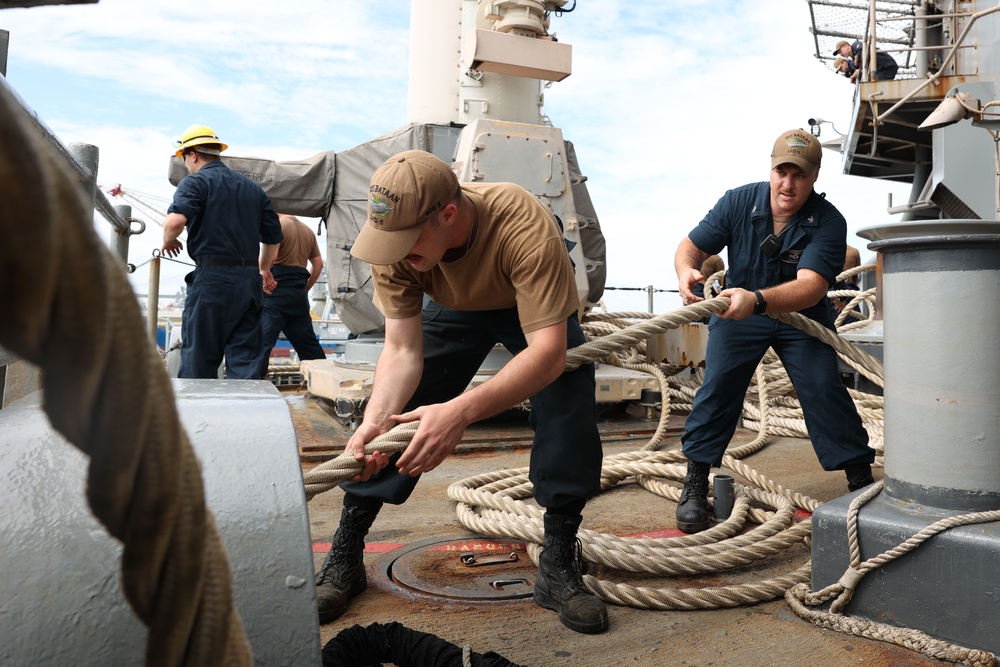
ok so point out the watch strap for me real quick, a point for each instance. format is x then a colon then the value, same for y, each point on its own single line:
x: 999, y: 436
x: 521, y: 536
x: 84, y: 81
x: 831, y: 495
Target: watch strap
x: 761, y: 305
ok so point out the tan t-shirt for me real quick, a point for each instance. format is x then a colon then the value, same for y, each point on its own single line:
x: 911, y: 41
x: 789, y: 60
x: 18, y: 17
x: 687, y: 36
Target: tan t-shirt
x: 298, y: 245
x: 518, y: 258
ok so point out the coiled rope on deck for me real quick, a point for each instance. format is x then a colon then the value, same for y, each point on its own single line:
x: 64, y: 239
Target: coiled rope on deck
x: 501, y: 512
x: 492, y: 503
x: 107, y: 392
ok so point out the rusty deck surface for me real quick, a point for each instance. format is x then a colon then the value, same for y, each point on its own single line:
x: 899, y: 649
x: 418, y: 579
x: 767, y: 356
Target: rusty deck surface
x: 416, y: 577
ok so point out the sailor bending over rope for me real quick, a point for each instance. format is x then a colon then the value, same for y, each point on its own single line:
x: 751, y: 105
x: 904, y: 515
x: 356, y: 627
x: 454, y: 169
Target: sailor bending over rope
x: 494, y: 262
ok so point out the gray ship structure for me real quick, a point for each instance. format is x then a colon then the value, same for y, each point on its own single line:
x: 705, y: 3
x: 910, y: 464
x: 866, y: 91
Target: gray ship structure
x: 104, y: 503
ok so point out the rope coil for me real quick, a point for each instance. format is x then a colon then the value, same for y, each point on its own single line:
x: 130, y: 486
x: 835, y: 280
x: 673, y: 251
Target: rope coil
x: 492, y: 503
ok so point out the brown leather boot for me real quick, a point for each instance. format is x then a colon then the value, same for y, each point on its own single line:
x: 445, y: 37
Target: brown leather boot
x: 558, y: 583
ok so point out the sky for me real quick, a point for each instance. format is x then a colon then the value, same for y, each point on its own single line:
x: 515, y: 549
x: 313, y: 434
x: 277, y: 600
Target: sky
x: 668, y: 106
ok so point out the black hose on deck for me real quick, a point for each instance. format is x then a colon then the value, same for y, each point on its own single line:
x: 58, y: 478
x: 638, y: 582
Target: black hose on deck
x: 396, y: 644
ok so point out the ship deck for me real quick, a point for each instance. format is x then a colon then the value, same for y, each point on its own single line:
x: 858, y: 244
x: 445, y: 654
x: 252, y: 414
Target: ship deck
x: 415, y: 579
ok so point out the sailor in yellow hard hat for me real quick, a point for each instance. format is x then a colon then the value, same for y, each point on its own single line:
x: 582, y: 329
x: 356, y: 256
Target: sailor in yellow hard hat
x: 233, y: 235
x: 200, y: 135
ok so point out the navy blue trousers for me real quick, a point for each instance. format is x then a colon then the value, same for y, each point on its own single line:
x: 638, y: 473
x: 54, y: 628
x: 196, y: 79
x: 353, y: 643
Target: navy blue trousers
x: 287, y: 310
x: 566, y: 454
x: 222, y: 319
x: 735, y: 347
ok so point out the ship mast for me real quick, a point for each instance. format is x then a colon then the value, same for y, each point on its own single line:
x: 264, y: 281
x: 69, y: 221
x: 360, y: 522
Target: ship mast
x: 472, y: 60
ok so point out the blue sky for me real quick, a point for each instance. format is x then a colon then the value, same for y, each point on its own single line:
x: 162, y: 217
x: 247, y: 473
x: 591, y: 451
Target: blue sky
x: 669, y: 104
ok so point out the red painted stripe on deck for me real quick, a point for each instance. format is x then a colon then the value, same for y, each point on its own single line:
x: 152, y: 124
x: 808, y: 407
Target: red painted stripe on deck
x: 479, y: 546
x: 376, y: 548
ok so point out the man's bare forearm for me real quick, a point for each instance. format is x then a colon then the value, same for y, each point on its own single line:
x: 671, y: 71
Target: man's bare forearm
x: 689, y: 256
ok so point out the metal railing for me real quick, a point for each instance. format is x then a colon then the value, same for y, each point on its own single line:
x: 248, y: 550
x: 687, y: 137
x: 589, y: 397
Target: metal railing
x: 957, y: 43
x: 15, y: 379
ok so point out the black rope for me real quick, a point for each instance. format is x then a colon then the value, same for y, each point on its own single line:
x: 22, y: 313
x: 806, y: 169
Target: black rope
x: 396, y: 644
x: 563, y: 10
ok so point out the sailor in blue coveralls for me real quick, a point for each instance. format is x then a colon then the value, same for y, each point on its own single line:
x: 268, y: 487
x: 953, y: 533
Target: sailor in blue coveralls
x: 786, y: 246
x: 228, y: 217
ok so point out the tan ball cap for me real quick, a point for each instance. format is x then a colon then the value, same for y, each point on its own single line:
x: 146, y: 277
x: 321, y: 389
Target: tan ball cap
x: 797, y: 147
x: 404, y: 193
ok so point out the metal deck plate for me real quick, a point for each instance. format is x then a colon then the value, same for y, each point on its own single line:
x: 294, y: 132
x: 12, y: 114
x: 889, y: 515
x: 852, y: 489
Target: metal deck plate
x: 435, y: 567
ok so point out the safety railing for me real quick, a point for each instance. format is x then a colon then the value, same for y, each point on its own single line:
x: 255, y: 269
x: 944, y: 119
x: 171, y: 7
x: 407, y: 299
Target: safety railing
x: 17, y: 379
x: 918, y: 35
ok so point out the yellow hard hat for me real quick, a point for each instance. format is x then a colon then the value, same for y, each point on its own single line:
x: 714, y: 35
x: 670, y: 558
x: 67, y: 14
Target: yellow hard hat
x: 197, y: 135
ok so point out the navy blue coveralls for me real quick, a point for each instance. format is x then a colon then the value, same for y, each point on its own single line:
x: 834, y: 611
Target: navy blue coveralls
x: 566, y: 453
x: 228, y: 217
x: 287, y: 309
x: 814, y: 239
x: 885, y: 65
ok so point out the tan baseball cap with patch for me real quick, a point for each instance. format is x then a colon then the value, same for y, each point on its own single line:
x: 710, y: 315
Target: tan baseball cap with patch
x: 841, y: 44
x: 403, y: 194
x: 797, y: 147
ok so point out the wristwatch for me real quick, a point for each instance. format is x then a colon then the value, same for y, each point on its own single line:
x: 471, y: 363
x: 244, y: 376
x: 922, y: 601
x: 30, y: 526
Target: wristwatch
x: 761, y: 303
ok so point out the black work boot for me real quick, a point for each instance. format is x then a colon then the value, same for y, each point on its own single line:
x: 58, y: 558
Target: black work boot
x: 343, y: 573
x: 859, y: 475
x: 558, y: 582
x: 692, y: 508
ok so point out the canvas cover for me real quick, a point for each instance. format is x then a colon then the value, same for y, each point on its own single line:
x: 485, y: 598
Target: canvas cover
x: 349, y: 279
x: 591, y: 236
x: 298, y: 187
x: 334, y: 187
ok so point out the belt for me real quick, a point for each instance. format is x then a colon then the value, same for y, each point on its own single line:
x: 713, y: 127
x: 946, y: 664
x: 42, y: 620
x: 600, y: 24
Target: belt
x: 227, y: 262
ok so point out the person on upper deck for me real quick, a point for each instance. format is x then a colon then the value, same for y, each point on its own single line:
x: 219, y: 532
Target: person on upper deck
x: 885, y: 65
x: 495, y: 265
x: 227, y: 217
x: 846, y: 67
x: 786, y: 245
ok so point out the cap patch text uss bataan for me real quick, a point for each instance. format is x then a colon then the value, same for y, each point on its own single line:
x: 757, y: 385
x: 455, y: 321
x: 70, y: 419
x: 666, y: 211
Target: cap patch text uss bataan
x: 797, y: 147
x: 403, y: 194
